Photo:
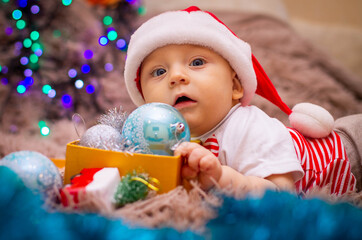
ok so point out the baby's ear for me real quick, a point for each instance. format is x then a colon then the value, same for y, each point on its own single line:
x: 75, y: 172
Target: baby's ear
x: 238, y: 90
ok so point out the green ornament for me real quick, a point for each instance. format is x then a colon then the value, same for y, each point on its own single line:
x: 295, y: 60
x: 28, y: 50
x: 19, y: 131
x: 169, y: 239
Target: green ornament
x: 132, y: 187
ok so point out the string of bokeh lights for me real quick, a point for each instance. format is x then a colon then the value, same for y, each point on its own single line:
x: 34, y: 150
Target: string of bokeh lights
x: 34, y: 49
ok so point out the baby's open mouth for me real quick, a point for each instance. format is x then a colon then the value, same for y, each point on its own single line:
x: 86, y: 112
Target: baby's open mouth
x: 183, y: 101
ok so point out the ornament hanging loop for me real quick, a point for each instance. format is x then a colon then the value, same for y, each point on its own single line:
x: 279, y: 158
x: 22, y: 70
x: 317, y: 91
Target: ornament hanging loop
x: 76, y: 119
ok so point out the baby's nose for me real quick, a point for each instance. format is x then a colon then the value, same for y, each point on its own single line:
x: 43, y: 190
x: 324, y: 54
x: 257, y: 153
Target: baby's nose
x: 178, y: 76
x: 177, y: 81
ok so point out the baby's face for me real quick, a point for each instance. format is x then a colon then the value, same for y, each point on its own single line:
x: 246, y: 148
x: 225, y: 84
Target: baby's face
x: 193, y: 79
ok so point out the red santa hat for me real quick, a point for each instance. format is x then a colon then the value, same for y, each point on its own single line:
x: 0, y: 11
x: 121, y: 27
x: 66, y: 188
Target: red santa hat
x: 193, y: 26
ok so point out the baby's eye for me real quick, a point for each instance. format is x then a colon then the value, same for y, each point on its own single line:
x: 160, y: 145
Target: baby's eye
x: 197, y: 62
x: 158, y: 72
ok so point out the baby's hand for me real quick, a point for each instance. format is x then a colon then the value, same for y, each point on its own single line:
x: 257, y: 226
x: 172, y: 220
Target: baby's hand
x: 199, y: 164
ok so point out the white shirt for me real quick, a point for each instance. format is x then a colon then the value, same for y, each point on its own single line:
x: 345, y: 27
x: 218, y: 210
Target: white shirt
x: 254, y: 144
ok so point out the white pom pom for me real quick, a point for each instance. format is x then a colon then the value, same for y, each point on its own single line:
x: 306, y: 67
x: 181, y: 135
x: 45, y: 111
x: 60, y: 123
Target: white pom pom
x: 311, y: 120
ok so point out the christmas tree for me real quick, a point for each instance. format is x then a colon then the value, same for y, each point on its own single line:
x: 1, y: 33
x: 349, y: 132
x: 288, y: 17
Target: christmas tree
x: 55, y: 57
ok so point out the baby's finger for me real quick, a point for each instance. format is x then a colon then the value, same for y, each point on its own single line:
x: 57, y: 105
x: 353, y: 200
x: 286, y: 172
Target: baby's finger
x: 195, y: 157
x: 185, y: 148
x: 208, y: 162
x: 188, y: 173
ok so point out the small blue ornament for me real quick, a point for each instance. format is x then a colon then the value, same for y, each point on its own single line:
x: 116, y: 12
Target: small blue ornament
x: 155, y: 128
x: 38, y: 172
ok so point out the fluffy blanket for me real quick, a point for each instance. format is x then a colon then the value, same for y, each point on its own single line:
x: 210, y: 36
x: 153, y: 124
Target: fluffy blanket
x: 300, y: 71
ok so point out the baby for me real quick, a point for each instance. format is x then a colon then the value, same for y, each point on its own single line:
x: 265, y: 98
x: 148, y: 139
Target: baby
x: 190, y: 60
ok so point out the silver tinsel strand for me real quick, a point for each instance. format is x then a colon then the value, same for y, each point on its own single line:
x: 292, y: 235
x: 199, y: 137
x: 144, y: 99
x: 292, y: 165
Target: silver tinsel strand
x: 114, y: 118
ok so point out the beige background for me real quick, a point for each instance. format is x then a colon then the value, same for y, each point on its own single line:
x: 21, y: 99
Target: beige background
x: 333, y: 25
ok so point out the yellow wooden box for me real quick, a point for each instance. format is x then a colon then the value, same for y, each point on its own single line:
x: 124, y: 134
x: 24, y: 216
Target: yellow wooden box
x: 164, y: 168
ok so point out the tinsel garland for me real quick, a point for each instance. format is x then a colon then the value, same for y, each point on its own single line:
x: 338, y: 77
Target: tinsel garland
x: 274, y: 216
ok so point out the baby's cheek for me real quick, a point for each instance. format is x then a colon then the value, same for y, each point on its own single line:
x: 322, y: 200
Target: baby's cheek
x: 157, y: 96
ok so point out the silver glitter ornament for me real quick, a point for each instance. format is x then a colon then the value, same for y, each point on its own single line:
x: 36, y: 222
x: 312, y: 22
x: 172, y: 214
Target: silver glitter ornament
x: 102, y: 136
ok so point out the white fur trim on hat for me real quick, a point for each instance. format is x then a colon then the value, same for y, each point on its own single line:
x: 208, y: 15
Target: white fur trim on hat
x: 195, y: 27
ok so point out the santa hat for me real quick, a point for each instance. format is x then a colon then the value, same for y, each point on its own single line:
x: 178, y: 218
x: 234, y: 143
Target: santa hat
x: 193, y: 26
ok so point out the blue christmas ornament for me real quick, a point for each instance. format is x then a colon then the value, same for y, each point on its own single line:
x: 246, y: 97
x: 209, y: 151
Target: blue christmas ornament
x: 155, y: 128
x: 37, y: 171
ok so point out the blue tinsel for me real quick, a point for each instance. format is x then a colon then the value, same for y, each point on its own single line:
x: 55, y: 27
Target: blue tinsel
x: 275, y: 216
